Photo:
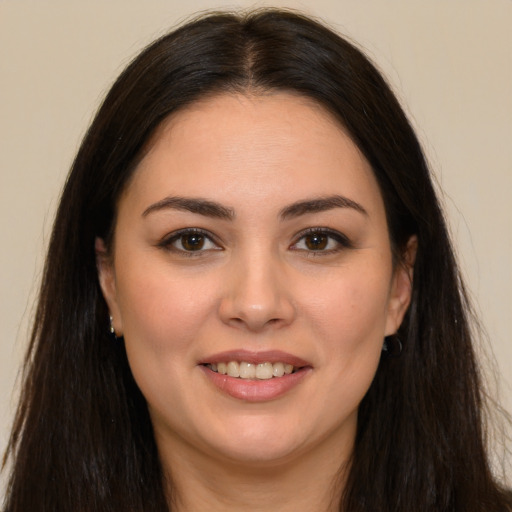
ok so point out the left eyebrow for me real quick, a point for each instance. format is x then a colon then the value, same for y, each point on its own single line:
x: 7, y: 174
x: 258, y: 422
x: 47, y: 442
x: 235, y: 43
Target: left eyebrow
x: 320, y: 204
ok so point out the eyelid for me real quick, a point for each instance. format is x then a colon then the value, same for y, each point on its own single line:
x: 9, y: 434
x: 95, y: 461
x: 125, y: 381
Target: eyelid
x: 342, y: 240
x: 167, y: 241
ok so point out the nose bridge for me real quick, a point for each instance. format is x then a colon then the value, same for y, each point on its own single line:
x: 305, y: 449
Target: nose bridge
x: 256, y: 295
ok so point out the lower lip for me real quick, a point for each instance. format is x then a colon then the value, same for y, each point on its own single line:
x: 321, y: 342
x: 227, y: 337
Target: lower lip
x: 256, y: 390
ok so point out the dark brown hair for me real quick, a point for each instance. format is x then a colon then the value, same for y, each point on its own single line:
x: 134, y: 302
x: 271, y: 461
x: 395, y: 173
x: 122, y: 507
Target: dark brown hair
x: 82, y: 438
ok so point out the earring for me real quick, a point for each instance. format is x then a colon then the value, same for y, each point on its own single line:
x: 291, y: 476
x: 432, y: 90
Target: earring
x: 112, y: 330
x: 392, y: 346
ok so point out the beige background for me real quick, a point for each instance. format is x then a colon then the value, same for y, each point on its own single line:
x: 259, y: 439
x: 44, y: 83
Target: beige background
x: 449, y: 61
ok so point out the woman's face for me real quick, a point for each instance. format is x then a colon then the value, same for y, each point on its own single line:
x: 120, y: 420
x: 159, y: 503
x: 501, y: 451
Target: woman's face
x: 253, y: 236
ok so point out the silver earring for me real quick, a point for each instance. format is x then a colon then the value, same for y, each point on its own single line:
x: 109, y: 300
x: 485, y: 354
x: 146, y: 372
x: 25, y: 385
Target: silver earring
x: 112, y: 330
x: 392, y: 346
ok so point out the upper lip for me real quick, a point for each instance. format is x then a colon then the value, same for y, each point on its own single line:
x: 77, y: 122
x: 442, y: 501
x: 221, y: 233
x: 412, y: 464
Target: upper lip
x: 266, y: 356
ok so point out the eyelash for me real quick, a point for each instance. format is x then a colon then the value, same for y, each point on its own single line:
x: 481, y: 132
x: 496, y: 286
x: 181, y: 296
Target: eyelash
x: 341, y: 241
x: 168, y: 241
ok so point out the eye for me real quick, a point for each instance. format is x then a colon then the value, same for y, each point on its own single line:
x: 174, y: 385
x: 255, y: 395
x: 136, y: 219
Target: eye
x: 189, y: 241
x: 321, y: 240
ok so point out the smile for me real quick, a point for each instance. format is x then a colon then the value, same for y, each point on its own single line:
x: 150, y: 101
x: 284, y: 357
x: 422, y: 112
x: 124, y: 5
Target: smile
x: 245, y: 370
x: 255, y: 376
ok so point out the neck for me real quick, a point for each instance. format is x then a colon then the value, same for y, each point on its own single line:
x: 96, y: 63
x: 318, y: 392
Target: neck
x: 311, y: 481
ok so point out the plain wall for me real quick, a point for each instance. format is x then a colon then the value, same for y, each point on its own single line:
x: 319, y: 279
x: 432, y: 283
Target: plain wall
x: 450, y: 63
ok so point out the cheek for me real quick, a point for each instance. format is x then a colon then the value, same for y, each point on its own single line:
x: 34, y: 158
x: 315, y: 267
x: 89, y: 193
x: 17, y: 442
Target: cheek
x: 161, y: 312
x: 352, y: 309
x: 163, y: 317
x: 350, y: 325
x: 349, y: 322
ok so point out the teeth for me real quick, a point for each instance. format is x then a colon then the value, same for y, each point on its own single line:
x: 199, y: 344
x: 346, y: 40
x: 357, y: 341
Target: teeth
x: 247, y: 370
x: 278, y: 369
x: 244, y: 370
x: 264, y: 371
x: 233, y: 369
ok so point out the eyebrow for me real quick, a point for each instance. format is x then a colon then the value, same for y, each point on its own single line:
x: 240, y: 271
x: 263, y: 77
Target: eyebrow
x: 194, y: 205
x: 320, y: 204
x: 213, y: 209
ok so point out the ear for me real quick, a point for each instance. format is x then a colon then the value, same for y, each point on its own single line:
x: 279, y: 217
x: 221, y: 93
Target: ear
x: 106, y: 276
x: 401, y: 287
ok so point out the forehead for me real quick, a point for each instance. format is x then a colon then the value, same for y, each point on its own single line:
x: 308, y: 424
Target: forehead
x: 269, y: 146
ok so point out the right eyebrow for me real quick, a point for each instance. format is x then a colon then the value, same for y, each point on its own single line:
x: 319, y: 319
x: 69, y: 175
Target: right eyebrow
x: 194, y: 205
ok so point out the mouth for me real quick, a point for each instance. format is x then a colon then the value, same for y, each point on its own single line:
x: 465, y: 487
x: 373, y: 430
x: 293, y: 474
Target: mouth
x: 255, y: 376
x: 252, y: 371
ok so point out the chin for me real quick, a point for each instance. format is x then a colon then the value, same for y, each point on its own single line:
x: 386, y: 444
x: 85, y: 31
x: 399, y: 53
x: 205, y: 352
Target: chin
x: 260, y: 443
x: 260, y: 454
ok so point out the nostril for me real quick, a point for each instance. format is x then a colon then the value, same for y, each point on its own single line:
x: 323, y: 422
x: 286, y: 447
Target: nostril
x: 256, y: 324
x: 255, y: 303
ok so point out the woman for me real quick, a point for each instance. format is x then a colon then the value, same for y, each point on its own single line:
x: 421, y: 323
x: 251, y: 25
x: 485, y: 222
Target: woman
x: 250, y: 298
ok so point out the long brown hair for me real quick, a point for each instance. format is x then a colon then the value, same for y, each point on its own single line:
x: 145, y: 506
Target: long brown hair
x: 82, y: 438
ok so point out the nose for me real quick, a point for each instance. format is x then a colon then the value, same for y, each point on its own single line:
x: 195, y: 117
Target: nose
x: 257, y: 295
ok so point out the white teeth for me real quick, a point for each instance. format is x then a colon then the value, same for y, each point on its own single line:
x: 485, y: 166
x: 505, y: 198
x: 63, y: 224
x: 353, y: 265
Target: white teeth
x: 264, y: 371
x: 244, y: 370
x: 278, y: 369
x: 233, y: 369
x: 247, y: 370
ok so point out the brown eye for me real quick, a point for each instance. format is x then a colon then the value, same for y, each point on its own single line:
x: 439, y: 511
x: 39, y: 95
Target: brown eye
x: 188, y: 241
x: 192, y: 241
x: 321, y: 241
x: 316, y: 241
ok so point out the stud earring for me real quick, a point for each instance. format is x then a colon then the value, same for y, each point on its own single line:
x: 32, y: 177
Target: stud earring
x: 392, y: 346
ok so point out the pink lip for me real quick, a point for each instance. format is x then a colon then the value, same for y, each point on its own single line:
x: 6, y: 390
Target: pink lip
x: 268, y: 356
x: 256, y: 390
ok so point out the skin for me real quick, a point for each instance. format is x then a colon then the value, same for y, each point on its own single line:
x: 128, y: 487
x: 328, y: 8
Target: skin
x: 255, y: 284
